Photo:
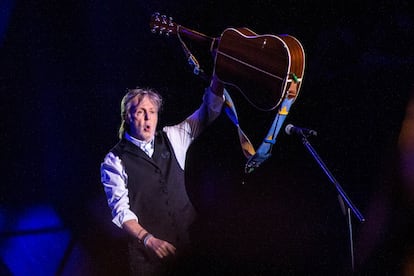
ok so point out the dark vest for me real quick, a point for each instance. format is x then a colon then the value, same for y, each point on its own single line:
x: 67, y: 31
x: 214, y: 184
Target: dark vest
x: 157, y: 191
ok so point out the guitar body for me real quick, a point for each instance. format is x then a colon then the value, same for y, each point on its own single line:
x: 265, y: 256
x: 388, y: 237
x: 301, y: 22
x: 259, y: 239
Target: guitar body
x: 259, y: 66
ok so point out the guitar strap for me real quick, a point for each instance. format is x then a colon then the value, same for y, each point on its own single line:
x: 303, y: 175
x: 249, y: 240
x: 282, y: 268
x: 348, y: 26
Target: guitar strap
x: 256, y: 158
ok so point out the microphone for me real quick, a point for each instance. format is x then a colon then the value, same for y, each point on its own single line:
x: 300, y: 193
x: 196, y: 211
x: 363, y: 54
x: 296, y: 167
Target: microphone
x: 291, y: 129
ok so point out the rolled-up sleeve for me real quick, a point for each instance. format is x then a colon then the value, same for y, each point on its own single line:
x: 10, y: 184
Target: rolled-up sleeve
x: 183, y: 134
x: 114, y: 180
x: 208, y: 111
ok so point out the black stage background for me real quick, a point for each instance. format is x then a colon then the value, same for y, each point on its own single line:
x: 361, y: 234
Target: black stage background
x: 65, y: 66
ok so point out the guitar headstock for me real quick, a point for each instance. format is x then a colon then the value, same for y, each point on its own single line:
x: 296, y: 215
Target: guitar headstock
x: 162, y: 24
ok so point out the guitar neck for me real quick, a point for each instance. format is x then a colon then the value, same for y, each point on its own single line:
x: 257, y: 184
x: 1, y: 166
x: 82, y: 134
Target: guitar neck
x: 164, y: 25
x: 201, y: 39
x: 194, y: 35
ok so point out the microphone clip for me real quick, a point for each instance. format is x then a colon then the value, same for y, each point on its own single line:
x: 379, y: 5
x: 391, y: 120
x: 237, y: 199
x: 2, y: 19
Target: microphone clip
x: 299, y: 131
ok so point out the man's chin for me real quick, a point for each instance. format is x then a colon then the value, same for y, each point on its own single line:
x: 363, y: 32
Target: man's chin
x: 148, y: 135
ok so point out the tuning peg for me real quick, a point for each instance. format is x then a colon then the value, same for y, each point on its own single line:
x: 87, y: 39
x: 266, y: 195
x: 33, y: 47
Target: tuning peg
x: 161, y: 24
x: 156, y: 16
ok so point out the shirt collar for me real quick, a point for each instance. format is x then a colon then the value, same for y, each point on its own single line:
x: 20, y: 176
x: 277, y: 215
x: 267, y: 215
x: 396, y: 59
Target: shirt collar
x: 141, y: 144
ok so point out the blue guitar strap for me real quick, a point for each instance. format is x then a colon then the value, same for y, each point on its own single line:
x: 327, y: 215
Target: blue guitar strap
x: 230, y: 109
x: 256, y: 158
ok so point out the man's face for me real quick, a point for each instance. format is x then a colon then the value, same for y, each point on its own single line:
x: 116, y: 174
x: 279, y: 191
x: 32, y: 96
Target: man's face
x: 142, y: 118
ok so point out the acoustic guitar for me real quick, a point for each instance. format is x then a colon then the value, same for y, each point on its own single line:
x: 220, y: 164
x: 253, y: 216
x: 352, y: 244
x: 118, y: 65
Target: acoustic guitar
x: 261, y: 67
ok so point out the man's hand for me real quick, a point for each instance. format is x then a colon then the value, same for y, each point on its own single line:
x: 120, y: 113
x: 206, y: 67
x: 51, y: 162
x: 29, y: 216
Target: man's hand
x: 160, y: 247
x: 216, y: 86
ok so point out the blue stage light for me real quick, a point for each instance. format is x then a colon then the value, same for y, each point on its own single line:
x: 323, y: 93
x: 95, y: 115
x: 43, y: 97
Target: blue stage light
x: 34, y: 241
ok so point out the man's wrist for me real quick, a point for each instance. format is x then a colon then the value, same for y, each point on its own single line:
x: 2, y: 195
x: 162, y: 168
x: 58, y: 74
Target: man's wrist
x: 216, y: 86
x: 145, y: 238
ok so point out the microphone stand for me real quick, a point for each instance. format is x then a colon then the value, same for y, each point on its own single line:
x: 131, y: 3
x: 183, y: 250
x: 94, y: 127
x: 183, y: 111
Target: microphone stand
x: 345, y: 202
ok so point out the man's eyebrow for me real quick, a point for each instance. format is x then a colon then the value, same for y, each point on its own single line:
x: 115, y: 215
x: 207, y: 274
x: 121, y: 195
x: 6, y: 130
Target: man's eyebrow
x: 136, y: 107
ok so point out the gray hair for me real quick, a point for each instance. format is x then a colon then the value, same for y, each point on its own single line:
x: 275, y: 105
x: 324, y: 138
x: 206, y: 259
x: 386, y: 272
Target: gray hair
x: 153, y: 96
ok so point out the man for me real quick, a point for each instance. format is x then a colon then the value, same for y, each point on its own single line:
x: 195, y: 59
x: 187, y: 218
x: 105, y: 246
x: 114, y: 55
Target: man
x: 143, y: 178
